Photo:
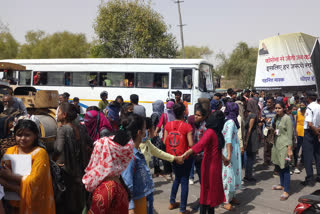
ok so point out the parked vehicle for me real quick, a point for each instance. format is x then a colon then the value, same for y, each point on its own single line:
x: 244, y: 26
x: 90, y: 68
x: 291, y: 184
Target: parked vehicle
x: 308, y: 204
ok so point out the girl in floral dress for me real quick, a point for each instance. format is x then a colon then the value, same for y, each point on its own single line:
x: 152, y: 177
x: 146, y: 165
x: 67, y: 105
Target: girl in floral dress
x: 231, y: 171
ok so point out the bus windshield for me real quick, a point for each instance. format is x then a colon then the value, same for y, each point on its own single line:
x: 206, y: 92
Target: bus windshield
x: 205, y: 78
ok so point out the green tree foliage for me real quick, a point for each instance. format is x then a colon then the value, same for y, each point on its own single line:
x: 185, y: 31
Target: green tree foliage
x: 131, y: 28
x: 8, y: 45
x: 241, y: 64
x: 194, y: 52
x: 58, y: 45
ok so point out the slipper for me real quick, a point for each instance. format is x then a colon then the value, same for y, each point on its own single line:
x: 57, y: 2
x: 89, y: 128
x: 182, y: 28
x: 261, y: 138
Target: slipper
x: 283, y: 197
x: 277, y: 187
x: 228, y: 207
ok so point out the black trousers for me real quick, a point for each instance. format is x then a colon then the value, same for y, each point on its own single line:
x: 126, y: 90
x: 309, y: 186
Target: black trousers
x: 311, y: 150
x: 206, y: 209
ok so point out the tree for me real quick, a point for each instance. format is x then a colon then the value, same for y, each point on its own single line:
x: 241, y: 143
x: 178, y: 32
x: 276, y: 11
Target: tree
x: 58, y: 45
x: 194, y: 52
x: 131, y: 28
x: 8, y: 45
x: 241, y: 65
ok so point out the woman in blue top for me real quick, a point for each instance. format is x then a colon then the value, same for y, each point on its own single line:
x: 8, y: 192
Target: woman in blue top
x: 231, y: 171
x: 137, y: 175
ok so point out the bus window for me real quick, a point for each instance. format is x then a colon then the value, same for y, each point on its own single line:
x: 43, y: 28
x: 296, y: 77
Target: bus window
x: 104, y: 80
x: 49, y: 78
x: 181, y: 79
x: 152, y: 80
x: 67, y: 78
x: 84, y: 79
x: 24, y: 77
x: 116, y: 79
x: 205, y: 78
x: 93, y: 79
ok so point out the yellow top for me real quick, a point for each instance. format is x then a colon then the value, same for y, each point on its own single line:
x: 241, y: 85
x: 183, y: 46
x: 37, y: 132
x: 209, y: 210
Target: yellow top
x: 300, y: 123
x: 148, y: 150
x: 36, y: 190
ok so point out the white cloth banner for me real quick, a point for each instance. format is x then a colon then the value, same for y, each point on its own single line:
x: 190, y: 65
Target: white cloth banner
x: 285, y: 61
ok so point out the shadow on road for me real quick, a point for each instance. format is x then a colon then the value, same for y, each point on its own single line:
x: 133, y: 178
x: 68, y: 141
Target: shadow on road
x: 295, y: 186
x: 245, y: 197
x: 157, y: 192
x: 160, y: 183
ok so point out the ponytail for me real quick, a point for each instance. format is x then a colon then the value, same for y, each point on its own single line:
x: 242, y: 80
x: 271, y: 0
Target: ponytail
x: 129, y: 128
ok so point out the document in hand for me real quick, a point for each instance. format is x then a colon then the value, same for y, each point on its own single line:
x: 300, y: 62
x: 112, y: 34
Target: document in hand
x: 21, y: 165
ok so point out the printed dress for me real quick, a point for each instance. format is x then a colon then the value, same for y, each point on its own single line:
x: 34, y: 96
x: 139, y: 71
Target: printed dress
x: 231, y: 174
x: 110, y: 197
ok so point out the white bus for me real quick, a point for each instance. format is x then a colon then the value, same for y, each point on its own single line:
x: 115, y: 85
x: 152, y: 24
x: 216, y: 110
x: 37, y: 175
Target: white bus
x: 151, y: 79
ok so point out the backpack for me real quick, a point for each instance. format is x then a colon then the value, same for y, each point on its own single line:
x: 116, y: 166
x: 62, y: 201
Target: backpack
x: 176, y: 142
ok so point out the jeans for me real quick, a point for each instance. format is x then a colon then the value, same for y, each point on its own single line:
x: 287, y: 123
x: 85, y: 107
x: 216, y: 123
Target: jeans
x: 250, y: 159
x: 296, y: 151
x: 150, y: 203
x: 285, y: 178
x: 311, y: 149
x: 192, y: 171
x: 181, y: 173
x: 206, y: 209
x: 167, y: 166
x: 196, y: 164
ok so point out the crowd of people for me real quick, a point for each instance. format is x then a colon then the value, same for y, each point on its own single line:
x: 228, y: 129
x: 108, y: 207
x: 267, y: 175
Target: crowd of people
x: 100, y: 161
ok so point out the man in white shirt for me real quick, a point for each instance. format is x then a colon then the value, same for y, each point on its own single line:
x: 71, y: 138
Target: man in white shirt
x: 311, y: 145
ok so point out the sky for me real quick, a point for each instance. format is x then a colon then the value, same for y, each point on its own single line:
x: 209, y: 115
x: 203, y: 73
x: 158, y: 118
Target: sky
x: 220, y: 25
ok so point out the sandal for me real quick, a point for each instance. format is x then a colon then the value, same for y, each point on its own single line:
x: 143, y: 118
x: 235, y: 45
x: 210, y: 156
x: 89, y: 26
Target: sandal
x: 228, y: 207
x: 277, y: 187
x: 284, y: 197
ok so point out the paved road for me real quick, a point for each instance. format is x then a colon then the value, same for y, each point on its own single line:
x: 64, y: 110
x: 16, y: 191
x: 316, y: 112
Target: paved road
x: 255, y: 199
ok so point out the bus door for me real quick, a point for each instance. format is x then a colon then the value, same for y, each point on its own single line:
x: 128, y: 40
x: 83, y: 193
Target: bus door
x: 182, y: 80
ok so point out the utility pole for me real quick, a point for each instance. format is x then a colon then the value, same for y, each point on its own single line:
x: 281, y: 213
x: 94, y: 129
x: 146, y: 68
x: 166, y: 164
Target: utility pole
x: 181, y: 27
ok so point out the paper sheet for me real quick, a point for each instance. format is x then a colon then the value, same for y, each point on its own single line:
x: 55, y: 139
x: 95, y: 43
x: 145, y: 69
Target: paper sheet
x: 21, y: 165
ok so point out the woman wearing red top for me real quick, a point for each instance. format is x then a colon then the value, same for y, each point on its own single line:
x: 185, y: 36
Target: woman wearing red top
x: 212, y: 142
x: 178, y: 145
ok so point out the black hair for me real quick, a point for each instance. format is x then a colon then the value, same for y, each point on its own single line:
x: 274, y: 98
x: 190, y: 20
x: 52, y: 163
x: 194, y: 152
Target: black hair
x: 179, y: 93
x: 234, y: 93
x: 104, y: 93
x: 148, y: 123
x: 63, y: 95
x: 30, y: 125
x: 129, y: 128
x: 178, y: 110
x: 229, y: 91
x: 66, y: 94
x: 124, y: 110
x: 196, y: 106
x: 270, y: 98
x: 277, y: 116
x: 281, y: 104
x: 291, y: 107
x: 119, y: 97
x: 202, y: 110
x: 75, y: 99
x: 70, y: 110
x: 218, y: 95
x: 95, y: 108
x: 134, y: 98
